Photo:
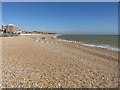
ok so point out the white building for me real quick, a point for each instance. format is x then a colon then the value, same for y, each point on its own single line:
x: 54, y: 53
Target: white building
x: 10, y: 28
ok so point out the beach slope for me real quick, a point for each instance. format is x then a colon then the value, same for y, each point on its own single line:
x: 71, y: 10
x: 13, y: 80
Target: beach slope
x: 31, y: 62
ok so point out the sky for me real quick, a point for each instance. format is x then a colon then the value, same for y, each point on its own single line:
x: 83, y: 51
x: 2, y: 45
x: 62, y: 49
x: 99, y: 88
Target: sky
x: 63, y: 17
x: 60, y: 0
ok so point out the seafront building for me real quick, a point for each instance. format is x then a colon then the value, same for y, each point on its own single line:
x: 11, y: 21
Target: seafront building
x: 1, y: 31
x: 10, y: 28
x: 13, y: 29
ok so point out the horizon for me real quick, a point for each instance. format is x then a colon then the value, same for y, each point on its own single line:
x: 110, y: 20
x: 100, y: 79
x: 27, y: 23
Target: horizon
x: 63, y: 17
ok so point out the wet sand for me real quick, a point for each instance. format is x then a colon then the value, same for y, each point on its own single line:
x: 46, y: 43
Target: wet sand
x: 28, y: 61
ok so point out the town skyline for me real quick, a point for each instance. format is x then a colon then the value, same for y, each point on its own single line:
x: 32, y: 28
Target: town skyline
x: 15, y: 30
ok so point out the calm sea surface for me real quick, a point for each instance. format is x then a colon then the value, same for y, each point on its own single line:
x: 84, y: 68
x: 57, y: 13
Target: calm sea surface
x: 103, y: 41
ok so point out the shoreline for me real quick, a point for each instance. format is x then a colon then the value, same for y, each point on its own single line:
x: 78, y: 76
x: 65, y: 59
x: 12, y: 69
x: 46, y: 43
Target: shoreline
x: 39, y: 61
x: 90, y: 45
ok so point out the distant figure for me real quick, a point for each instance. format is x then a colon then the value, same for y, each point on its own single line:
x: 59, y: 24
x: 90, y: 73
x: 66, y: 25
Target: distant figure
x: 4, y: 31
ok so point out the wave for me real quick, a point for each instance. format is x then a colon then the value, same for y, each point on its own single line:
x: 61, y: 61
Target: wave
x: 91, y: 45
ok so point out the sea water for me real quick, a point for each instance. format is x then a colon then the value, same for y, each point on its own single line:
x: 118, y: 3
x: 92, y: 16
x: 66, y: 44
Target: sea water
x: 102, y: 41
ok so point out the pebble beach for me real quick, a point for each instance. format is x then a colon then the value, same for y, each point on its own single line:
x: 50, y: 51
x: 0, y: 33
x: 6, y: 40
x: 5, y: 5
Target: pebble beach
x: 35, y: 62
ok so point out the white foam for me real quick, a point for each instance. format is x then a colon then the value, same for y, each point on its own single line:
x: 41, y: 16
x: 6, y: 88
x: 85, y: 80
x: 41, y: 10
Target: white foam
x: 91, y: 45
x: 102, y: 46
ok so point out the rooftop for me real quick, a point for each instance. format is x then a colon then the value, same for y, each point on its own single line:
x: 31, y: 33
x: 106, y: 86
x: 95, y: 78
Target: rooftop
x: 11, y: 25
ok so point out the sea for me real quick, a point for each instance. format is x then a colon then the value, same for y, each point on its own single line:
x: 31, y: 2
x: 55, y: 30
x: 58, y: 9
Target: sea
x: 101, y: 41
